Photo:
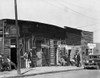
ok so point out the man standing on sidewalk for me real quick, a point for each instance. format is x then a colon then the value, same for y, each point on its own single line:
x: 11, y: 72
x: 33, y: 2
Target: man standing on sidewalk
x: 26, y: 59
x: 77, y: 58
x: 30, y: 58
x: 39, y: 57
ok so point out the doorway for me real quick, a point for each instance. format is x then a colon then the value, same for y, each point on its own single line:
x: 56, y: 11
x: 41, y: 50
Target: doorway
x: 13, y: 57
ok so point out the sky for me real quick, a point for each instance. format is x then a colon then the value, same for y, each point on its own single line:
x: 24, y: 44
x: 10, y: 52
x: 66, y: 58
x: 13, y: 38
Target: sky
x: 81, y: 14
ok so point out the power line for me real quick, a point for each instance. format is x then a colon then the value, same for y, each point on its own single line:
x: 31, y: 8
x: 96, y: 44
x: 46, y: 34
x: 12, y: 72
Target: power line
x: 78, y: 12
x: 74, y: 4
x: 88, y: 25
x: 53, y: 4
x: 75, y: 11
x: 84, y: 15
x: 71, y: 10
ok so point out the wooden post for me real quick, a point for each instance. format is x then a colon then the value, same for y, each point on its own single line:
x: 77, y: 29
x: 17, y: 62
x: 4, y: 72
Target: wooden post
x: 17, y: 39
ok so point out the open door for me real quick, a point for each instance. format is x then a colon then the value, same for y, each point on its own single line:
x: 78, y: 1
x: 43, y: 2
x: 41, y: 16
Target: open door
x: 13, y: 52
x: 13, y: 56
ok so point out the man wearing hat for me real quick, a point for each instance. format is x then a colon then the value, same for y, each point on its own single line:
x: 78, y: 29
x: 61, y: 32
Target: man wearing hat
x: 77, y: 58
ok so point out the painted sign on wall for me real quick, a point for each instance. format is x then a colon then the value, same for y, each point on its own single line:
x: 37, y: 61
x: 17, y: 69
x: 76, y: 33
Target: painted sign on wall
x: 52, y: 53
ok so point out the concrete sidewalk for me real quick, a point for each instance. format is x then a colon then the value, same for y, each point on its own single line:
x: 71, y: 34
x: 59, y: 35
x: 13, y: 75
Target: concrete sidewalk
x: 38, y: 71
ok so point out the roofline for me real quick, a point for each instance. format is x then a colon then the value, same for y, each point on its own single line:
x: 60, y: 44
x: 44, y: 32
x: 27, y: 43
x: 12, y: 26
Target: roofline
x: 73, y: 28
x: 34, y: 22
x: 47, y: 24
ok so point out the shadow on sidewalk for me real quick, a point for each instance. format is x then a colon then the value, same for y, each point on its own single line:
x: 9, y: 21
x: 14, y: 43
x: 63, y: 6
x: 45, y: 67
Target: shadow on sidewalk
x: 26, y: 71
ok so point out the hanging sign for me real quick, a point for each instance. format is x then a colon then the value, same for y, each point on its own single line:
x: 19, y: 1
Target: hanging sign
x: 91, y: 45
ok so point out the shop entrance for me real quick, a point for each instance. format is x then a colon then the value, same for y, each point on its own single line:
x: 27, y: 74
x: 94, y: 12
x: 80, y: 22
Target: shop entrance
x: 13, y: 56
x: 45, y: 56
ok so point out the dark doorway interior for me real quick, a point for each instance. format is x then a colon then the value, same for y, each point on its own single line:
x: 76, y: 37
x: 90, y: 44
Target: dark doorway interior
x: 13, y: 57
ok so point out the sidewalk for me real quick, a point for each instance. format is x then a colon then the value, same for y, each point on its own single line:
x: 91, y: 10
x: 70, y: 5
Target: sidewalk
x: 38, y: 71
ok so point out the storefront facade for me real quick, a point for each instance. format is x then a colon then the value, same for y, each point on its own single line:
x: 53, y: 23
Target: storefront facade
x: 48, y: 43
x: 33, y: 36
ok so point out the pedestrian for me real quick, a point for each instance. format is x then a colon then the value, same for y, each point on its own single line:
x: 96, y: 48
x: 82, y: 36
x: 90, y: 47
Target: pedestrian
x: 77, y: 58
x: 33, y: 58
x: 30, y: 57
x: 26, y: 59
x: 39, y: 56
x: 66, y: 58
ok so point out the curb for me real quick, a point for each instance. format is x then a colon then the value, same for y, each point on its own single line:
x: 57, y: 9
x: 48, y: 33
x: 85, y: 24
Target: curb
x: 43, y: 73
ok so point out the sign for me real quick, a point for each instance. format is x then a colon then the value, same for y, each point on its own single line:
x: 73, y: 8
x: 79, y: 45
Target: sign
x: 91, y: 45
x: 13, y: 31
x: 7, y: 51
x: 65, y: 46
x: 12, y: 46
x: 44, y: 45
x: 52, y: 52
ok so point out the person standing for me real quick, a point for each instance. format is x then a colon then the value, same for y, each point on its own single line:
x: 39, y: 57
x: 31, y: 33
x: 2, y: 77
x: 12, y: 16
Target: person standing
x: 26, y: 59
x: 39, y: 56
x: 30, y: 58
x: 77, y: 58
x: 66, y: 58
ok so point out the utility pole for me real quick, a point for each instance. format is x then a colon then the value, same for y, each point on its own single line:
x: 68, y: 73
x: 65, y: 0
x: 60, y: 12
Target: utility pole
x: 17, y: 39
x: 3, y: 38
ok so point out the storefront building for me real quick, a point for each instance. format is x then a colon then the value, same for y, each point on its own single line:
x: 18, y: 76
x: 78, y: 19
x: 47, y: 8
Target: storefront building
x: 33, y: 36
x: 48, y: 43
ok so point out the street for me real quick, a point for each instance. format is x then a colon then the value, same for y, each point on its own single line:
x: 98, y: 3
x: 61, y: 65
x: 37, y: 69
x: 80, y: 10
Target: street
x: 71, y: 74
